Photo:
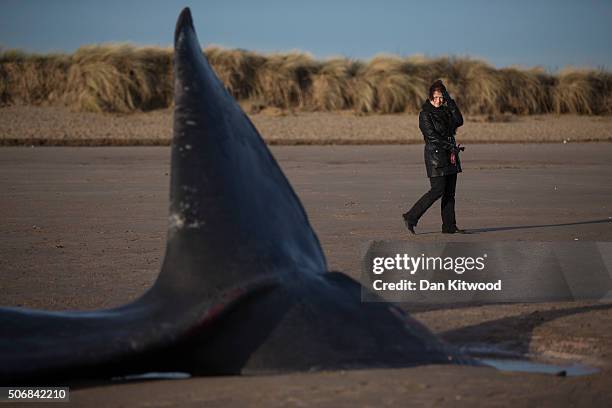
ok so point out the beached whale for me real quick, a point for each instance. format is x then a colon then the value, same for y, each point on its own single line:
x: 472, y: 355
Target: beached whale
x: 244, y: 286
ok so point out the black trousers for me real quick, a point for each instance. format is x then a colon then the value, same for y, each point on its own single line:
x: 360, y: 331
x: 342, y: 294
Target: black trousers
x: 442, y: 186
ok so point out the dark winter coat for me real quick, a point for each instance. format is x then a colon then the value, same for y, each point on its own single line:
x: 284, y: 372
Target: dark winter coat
x: 438, y: 126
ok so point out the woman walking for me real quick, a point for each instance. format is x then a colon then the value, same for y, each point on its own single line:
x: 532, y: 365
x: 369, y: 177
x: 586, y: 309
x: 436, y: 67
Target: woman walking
x: 439, y: 119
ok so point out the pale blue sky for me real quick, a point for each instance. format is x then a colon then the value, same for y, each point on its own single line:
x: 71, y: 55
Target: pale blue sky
x: 549, y: 33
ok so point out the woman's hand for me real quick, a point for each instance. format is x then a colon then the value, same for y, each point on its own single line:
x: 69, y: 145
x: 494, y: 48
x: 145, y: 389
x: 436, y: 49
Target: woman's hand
x: 452, y: 106
x: 458, y: 148
x: 449, y: 101
x: 446, y: 96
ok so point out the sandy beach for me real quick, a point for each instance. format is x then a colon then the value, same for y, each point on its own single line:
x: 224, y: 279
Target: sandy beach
x: 54, y: 125
x: 84, y: 228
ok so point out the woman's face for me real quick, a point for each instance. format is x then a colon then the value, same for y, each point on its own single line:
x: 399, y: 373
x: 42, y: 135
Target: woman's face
x: 437, y: 99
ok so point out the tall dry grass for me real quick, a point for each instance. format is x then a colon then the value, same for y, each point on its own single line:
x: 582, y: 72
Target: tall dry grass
x: 236, y: 68
x: 525, y: 91
x: 387, y: 84
x: 32, y: 79
x: 332, y: 85
x: 109, y: 78
x: 582, y: 91
x: 285, y: 80
x: 119, y: 78
x: 123, y: 78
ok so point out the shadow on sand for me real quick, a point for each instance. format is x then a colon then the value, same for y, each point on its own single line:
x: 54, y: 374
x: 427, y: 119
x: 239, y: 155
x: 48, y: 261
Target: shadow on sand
x: 519, y: 227
x: 513, y: 333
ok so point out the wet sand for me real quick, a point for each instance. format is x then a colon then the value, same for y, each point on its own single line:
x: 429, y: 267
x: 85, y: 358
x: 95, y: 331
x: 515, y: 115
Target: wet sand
x: 84, y: 228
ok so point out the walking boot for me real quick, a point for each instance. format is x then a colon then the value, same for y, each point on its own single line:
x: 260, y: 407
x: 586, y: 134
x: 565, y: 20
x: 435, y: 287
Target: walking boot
x: 409, y: 225
x: 453, y: 230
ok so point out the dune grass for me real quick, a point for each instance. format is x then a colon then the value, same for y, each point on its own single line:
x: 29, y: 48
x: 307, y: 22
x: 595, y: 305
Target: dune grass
x: 32, y: 79
x: 123, y: 78
x: 332, y: 85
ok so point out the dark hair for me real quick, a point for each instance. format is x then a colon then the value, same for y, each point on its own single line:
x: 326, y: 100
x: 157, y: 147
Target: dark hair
x: 436, y: 86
